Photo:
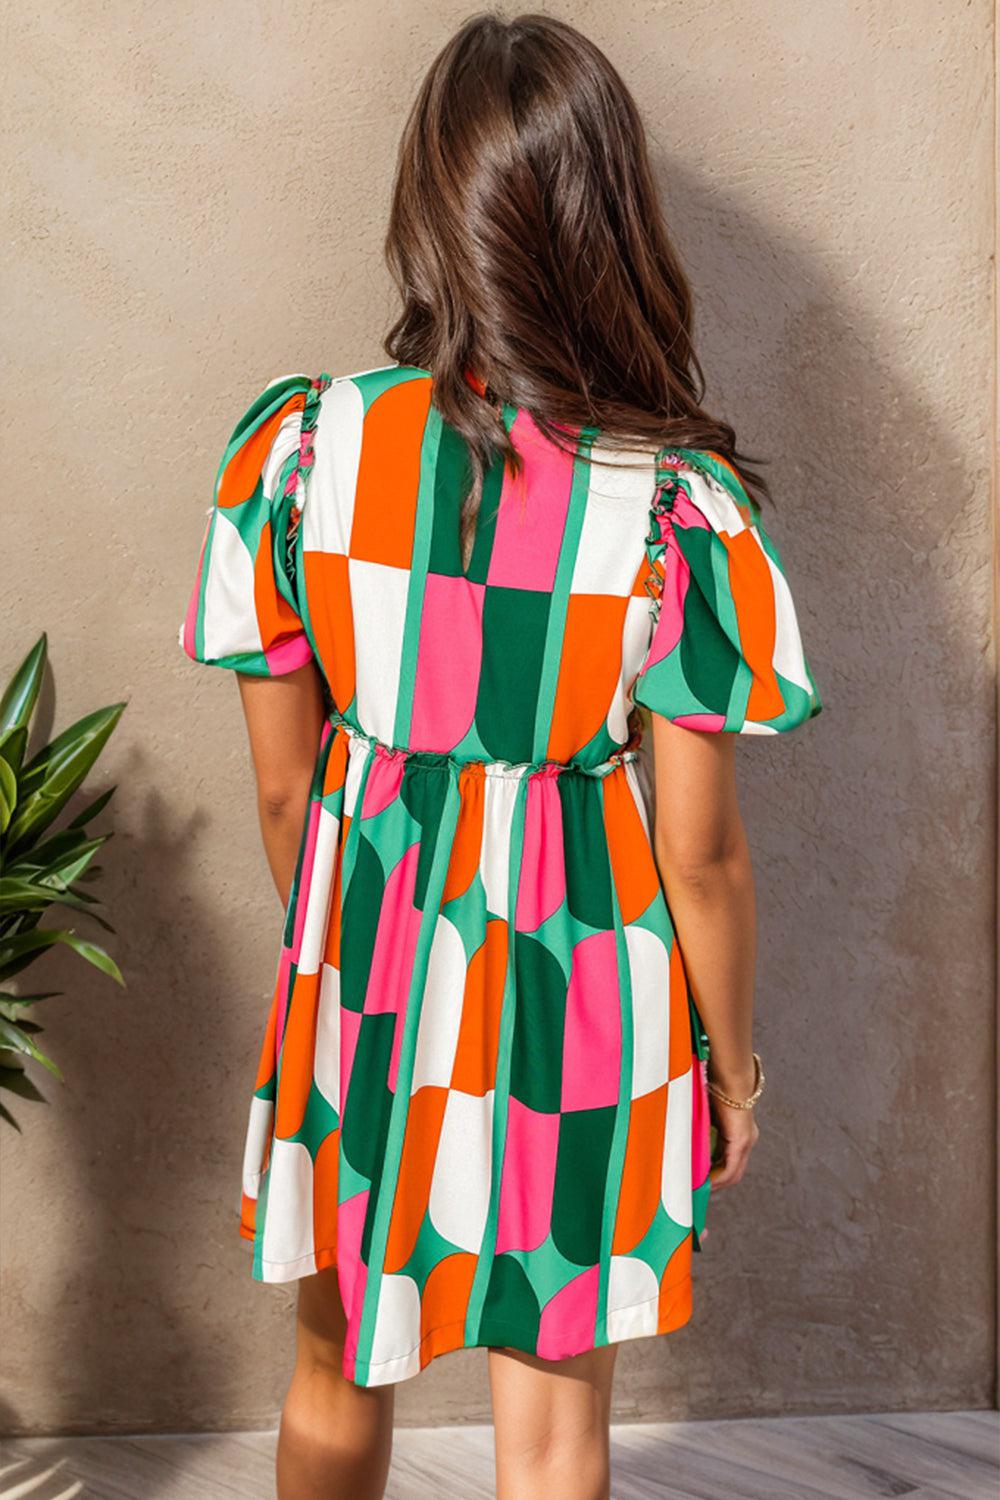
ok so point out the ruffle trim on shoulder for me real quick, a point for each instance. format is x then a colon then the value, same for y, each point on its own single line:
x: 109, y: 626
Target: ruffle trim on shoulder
x: 295, y: 484
x: 669, y: 463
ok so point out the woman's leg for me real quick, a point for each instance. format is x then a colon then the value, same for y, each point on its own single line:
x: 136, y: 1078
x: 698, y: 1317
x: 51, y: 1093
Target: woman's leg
x: 551, y: 1422
x: 335, y: 1439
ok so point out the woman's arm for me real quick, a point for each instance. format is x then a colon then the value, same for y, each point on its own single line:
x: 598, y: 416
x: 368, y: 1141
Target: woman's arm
x: 704, y: 863
x: 284, y: 717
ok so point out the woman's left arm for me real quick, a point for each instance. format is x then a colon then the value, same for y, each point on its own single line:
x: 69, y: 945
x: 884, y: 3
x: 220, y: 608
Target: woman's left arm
x: 284, y: 717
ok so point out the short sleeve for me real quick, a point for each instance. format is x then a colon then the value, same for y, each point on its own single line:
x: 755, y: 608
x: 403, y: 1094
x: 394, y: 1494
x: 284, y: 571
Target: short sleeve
x: 725, y: 649
x: 242, y: 611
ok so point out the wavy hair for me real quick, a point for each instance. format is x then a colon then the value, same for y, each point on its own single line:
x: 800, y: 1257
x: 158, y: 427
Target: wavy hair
x: 529, y: 249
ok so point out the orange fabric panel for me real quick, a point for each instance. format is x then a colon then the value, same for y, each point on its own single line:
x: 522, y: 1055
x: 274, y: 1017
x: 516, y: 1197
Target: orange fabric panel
x: 640, y: 1187
x: 241, y: 475
x: 590, y: 666
x: 276, y: 619
x: 444, y: 1305
x: 475, y: 1067
x: 416, y: 1168
x: 385, y: 503
x: 328, y: 589
x: 632, y: 864
x: 298, y: 1051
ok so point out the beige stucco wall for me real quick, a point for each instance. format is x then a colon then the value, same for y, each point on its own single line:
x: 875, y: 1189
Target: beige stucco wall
x: 198, y: 196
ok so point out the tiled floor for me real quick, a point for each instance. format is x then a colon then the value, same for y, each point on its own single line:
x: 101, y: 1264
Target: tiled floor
x: 932, y: 1456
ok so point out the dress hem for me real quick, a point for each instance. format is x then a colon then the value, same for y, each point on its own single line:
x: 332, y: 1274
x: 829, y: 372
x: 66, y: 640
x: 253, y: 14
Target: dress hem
x: 677, y: 1312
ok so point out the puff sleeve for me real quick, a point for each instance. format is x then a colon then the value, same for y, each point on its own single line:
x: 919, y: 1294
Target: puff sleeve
x: 725, y: 650
x: 242, y: 611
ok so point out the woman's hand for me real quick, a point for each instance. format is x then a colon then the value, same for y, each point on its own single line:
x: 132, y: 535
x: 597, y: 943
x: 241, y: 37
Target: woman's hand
x: 738, y: 1134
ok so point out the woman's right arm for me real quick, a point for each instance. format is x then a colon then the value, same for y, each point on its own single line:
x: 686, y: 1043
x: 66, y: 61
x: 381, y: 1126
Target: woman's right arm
x: 703, y: 859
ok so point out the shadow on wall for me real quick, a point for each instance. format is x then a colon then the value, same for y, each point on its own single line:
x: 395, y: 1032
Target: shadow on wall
x: 128, y: 1334
x: 833, y: 1280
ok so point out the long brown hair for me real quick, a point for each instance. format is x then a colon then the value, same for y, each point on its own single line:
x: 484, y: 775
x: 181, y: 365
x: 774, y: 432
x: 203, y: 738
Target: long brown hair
x: 529, y: 249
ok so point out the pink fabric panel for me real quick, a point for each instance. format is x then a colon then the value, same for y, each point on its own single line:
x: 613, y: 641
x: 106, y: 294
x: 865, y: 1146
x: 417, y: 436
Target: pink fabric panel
x: 288, y: 655
x: 384, y: 780
x: 670, y: 624
x: 569, y: 1319
x: 395, y: 946
x: 528, y: 1180
x: 448, y: 662
x: 592, y: 1041
x: 700, y: 1123
x: 352, y: 1273
x: 529, y: 532
x: 542, y: 887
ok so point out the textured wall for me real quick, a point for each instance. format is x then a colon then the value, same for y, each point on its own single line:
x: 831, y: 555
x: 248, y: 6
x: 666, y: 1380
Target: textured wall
x: 198, y: 199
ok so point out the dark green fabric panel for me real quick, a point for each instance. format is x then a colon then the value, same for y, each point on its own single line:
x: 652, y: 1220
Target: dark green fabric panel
x: 709, y: 660
x: 486, y: 523
x: 514, y: 627
x: 359, y: 924
x: 511, y: 1307
x: 539, y: 1022
x: 451, y: 481
x: 369, y: 1098
x: 423, y: 790
x: 581, y: 1175
x: 588, y: 870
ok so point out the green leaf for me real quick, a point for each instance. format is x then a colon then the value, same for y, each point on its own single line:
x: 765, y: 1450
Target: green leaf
x: 18, y: 894
x: 72, y: 865
x: 53, y: 775
x: 57, y: 854
x: 95, y: 955
x: 18, y: 951
x: 13, y: 743
x: 97, y: 806
x: 8, y: 998
x: 21, y: 693
x: 79, y: 901
x: 13, y: 1039
x: 8, y: 794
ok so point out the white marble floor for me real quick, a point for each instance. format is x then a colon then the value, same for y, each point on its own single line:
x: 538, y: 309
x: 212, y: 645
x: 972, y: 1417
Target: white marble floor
x: 919, y: 1456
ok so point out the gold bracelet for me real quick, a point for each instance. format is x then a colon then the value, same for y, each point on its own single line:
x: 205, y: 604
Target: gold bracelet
x: 751, y: 1099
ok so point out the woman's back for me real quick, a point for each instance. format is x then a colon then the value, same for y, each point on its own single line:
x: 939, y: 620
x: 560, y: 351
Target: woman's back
x: 531, y: 650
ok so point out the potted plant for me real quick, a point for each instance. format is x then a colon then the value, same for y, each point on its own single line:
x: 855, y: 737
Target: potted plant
x: 42, y: 867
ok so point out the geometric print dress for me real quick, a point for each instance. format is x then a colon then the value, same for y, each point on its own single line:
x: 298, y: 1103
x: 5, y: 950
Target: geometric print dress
x: 482, y: 1084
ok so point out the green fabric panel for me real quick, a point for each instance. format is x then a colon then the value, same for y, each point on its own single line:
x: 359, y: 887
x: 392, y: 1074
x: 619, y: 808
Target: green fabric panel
x: 709, y: 659
x: 539, y: 1023
x: 514, y: 630
x: 660, y: 1241
x: 588, y: 876
x: 486, y: 523
x: 366, y: 1117
x: 424, y: 789
x: 451, y: 481
x: 547, y: 1268
x: 581, y: 1181
x: 429, y: 1251
x: 374, y: 383
x: 319, y: 1119
x: 510, y: 1304
x: 359, y: 924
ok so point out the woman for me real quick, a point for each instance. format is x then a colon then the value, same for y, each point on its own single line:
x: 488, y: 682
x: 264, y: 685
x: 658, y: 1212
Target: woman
x: 450, y: 586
